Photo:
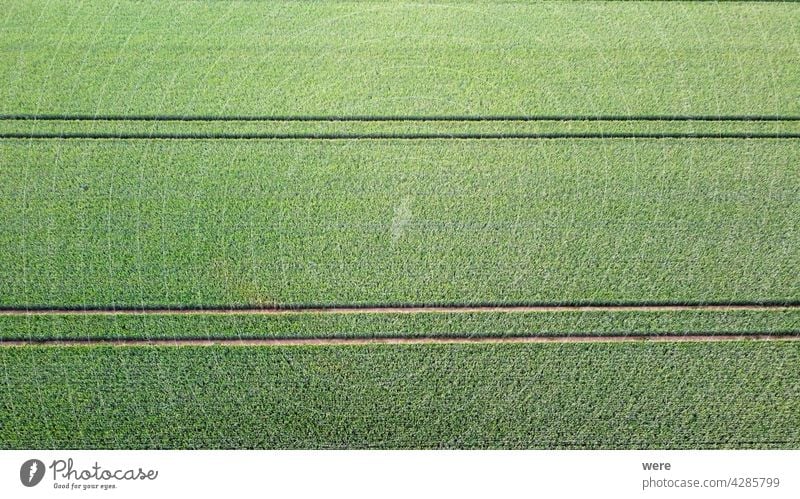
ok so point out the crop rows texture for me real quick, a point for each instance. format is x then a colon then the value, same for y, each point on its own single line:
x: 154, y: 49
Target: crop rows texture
x: 369, y: 325
x: 118, y: 223
x: 148, y: 223
x: 474, y: 58
x: 214, y: 128
x: 740, y: 395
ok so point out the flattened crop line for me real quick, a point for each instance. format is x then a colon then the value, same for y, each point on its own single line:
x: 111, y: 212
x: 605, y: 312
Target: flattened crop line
x: 397, y: 309
x: 552, y: 117
x: 392, y: 136
x: 397, y: 340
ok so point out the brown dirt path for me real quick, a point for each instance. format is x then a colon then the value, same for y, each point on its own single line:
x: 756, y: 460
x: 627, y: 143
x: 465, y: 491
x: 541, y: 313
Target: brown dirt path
x: 403, y: 341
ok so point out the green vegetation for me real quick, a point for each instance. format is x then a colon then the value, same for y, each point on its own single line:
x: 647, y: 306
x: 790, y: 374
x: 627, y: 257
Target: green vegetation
x: 712, y: 395
x: 312, y: 325
x: 225, y: 223
x: 393, y: 127
x: 474, y: 58
x: 132, y: 223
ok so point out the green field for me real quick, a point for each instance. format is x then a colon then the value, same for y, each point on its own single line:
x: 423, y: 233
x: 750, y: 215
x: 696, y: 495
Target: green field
x: 132, y: 223
x: 249, y: 155
x: 214, y: 128
x: 461, y: 57
x: 741, y: 395
x: 416, y: 325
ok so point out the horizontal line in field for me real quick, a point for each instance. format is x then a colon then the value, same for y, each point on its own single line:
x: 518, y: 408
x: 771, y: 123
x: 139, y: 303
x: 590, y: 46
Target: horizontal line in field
x: 466, y: 340
x: 393, y: 136
x: 551, y: 117
x: 395, y: 309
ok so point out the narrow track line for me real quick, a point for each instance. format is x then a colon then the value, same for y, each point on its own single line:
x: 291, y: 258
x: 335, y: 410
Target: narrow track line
x: 390, y: 136
x: 396, y: 340
x: 551, y: 117
x: 411, y: 309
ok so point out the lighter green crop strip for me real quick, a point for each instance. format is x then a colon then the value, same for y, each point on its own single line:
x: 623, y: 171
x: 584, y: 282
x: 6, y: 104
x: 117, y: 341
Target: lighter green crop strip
x: 401, y: 58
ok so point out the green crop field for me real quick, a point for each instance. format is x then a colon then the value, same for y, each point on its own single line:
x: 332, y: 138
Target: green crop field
x: 709, y: 395
x: 619, y: 178
x: 130, y: 223
x: 404, y: 127
x: 459, y: 57
x: 382, y: 325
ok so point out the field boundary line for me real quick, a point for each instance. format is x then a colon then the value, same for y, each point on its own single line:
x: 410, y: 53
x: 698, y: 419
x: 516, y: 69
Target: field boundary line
x: 449, y: 340
x: 391, y: 136
x: 396, y: 309
x: 361, y: 118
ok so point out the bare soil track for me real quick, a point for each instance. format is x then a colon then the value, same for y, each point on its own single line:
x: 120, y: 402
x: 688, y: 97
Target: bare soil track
x: 552, y: 117
x: 397, y: 340
x: 565, y: 338
x: 394, y: 136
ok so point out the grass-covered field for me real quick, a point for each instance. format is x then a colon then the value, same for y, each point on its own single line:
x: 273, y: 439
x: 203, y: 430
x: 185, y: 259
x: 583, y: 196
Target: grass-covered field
x: 419, y: 324
x: 460, y: 57
x: 132, y: 223
x: 90, y: 221
x: 214, y: 128
x: 713, y: 395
